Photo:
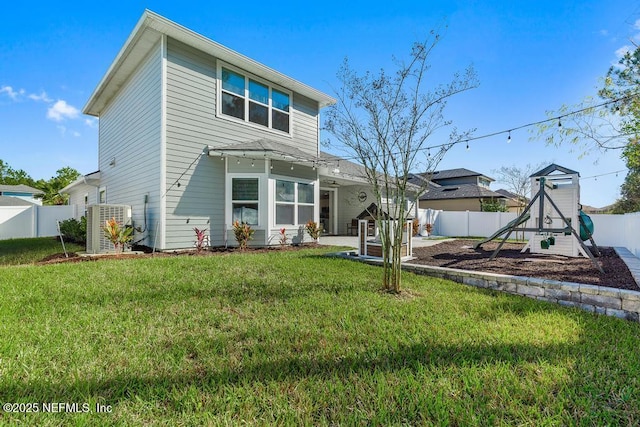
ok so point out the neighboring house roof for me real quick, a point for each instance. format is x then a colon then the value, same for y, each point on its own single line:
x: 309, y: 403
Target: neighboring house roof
x: 554, y: 168
x: 510, y: 195
x: 20, y: 188
x: 454, y: 173
x: 92, y: 178
x: 14, y: 201
x: 144, y: 38
x: 461, y: 191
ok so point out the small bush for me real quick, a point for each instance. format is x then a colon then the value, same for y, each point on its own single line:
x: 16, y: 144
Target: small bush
x: 243, y: 233
x: 74, y: 231
x: 117, y: 234
x: 313, y: 230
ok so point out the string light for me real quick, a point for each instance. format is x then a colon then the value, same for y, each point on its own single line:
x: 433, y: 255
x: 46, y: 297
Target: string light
x: 238, y: 161
x: 595, y: 177
x: 291, y: 165
x: 253, y: 163
x: 467, y: 145
x: 559, y: 123
x: 509, y: 138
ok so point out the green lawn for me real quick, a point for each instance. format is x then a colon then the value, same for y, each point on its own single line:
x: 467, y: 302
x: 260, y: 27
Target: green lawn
x: 296, y: 338
x: 27, y: 251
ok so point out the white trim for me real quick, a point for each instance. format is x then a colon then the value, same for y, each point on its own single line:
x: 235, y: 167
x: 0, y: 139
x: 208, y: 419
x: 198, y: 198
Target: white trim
x: 333, y: 208
x: 295, y: 203
x: 262, y: 203
x: 163, y: 148
x: 270, y: 85
x: 100, y: 190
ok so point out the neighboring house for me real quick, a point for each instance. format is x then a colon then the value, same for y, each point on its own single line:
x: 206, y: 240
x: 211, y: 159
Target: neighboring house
x: 85, y: 191
x: 21, y: 192
x: 455, y: 190
x: 512, y: 201
x: 193, y: 134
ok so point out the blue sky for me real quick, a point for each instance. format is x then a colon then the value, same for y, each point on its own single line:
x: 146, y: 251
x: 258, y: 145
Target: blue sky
x: 530, y: 57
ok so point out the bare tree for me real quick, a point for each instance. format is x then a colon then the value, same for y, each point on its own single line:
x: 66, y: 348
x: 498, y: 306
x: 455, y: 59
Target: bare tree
x: 384, y: 121
x: 517, y: 180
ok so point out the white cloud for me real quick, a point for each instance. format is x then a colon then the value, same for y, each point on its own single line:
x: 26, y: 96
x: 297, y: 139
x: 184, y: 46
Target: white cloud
x: 636, y: 24
x: 42, y: 97
x: 92, y: 122
x: 11, y: 93
x: 623, y: 50
x: 75, y: 133
x: 62, y: 129
x: 604, y: 33
x: 61, y: 111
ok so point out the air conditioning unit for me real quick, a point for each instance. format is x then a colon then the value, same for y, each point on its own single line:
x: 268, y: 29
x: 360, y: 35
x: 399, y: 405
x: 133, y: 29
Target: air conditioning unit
x: 97, y: 216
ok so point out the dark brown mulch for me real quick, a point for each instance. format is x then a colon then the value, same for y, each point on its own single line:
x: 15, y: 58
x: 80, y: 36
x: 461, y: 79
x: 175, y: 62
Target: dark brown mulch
x: 461, y: 255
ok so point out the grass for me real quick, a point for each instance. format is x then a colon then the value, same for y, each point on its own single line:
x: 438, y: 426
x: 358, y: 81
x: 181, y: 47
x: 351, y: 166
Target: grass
x: 28, y: 251
x: 295, y: 338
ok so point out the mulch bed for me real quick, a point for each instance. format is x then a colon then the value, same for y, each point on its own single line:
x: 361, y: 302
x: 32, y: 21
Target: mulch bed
x: 146, y: 253
x: 461, y: 255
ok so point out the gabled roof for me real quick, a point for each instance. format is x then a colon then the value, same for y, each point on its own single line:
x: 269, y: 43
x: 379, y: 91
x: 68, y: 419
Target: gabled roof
x: 14, y: 201
x: 19, y: 188
x: 554, y: 168
x: 461, y: 191
x: 145, y: 36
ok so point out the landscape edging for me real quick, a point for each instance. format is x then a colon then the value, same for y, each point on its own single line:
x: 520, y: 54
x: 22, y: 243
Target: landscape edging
x: 621, y: 303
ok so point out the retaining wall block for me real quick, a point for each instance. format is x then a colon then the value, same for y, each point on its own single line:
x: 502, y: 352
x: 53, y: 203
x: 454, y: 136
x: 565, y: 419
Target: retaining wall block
x: 474, y: 281
x: 530, y: 290
x: 617, y: 313
x: 609, y: 292
x: 507, y: 287
x: 587, y: 307
x: 602, y: 301
x: 568, y: 303
x: 630, y: 295
x: 631, y: 305
x: 559, y: 294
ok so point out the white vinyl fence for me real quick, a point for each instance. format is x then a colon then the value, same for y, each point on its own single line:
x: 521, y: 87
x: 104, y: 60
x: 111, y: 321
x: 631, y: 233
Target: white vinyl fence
x: 608, y: 230
x: 32, y: 221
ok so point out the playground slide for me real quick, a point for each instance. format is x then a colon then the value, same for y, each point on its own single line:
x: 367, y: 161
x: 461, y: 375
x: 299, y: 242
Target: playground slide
x: 500, y: 232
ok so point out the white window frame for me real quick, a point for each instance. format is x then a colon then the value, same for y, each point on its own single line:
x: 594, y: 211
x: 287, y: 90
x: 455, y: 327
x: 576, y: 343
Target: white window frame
x: 100, y: 191
x: 270, y: 108
x: 295, y: 202
x: 232, y: 201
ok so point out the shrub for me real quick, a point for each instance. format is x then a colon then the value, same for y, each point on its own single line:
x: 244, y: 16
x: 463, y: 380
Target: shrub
x: 313, y: 230
x: 243, y: 233
x: 283, y: 237
x: 202, y: 240
x: 73, y: 230
x: 117, y: 234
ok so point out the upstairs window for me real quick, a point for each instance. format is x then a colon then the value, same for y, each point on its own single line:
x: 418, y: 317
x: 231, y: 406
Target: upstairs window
x: 253, y: 101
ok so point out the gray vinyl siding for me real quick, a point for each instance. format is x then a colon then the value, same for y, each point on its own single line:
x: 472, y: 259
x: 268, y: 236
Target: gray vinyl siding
x: 195, y: 182
x: 191, y: 125
x: 130, y: 133
x: 76, y: 197
x: 349, y: 206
